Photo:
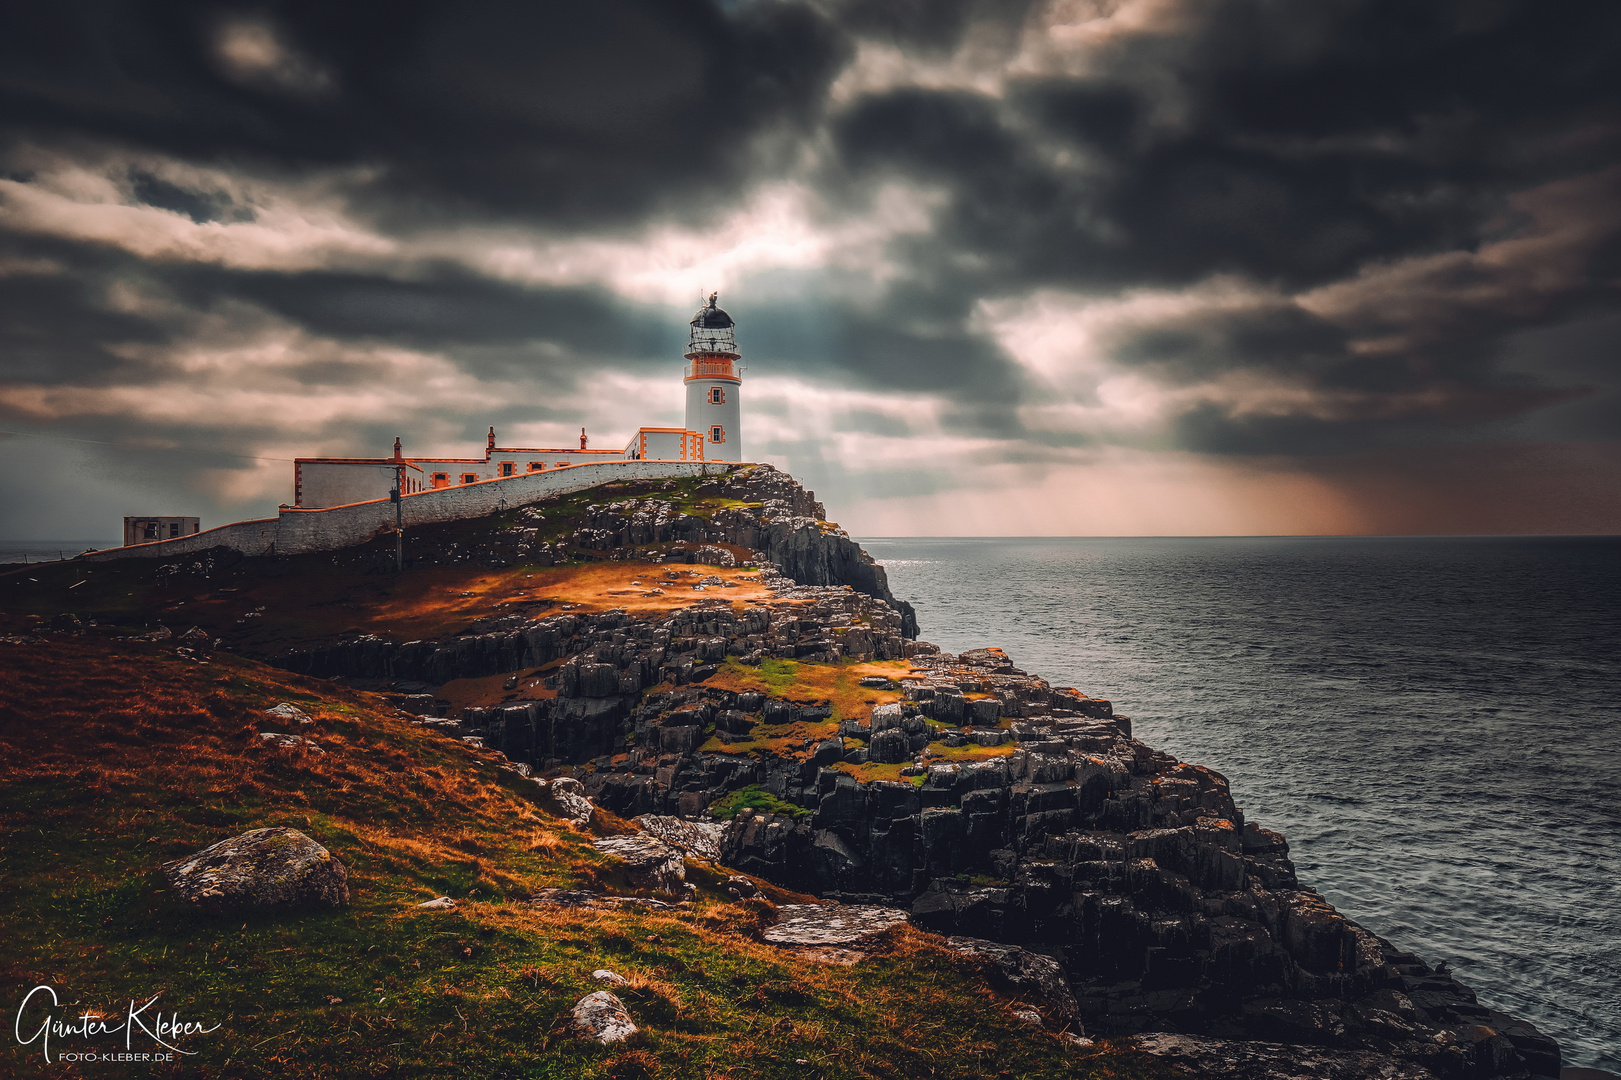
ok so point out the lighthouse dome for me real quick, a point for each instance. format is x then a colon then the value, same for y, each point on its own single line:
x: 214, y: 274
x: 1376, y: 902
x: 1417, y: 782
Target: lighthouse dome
x: 710, y: 317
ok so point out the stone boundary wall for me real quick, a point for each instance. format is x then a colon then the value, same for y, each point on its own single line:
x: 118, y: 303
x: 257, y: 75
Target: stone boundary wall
x: 296, y: 531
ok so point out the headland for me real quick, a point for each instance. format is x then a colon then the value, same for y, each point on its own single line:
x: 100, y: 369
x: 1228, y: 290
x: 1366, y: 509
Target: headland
x: 690, y: 706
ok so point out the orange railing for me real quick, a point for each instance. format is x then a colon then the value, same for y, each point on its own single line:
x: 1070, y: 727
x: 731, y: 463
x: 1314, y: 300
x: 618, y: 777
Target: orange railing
x: 711, y: 368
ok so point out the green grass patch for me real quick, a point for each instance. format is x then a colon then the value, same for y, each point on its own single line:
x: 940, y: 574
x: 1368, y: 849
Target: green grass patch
x: 754, y: 797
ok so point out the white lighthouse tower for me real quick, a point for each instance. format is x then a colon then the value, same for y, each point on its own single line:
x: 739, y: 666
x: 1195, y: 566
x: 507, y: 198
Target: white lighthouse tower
x: 714, y: 409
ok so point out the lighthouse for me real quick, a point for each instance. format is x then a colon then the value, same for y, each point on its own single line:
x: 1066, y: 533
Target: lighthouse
x: 714, y: 408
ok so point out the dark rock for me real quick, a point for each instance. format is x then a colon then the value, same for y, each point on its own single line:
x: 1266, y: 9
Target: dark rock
x: 1023, y: 972
x: 1218, y: 1059
x: 889, y: 747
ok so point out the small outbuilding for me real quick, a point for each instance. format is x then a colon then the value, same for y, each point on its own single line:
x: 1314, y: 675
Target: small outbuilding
x: 144, y: 530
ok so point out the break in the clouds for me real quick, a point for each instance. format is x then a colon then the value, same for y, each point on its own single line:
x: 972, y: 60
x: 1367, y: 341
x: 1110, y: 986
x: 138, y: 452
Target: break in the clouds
x: 1075, y: 266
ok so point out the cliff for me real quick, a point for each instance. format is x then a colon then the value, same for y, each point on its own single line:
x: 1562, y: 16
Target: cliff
x: 714, y: 652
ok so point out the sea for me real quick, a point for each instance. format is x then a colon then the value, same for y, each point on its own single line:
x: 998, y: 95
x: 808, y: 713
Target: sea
x: 1434, y: 723
x: 34, y: 551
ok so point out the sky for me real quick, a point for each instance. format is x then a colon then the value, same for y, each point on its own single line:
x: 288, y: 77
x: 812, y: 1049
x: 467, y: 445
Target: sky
x: 1074, y: 267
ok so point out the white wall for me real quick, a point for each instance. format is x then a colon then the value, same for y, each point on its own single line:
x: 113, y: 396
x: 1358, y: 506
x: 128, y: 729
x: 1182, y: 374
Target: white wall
x: 665, y: 445
x: 338, y: 483
x: 454, y: 470
x: 298, y: 531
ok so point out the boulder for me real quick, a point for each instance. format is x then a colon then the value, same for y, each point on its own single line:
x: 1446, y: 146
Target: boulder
x: 700, y: 839
x: 602, y: 1017
x: 835, y: 924
x: 1027, y: 973
x: 650, y: 863
x: 266, y: 868
x: 289, y: 712
x: 567, y: 797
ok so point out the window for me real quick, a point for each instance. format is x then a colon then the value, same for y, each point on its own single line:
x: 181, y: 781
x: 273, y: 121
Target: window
x: 717, y: 395
x: 441, y: 479
x: 536, y: 466
x: 469, y: 477
x: 560, y: 464
x: 174, y: 529
x: 151, y: 530
x: 717, y: 434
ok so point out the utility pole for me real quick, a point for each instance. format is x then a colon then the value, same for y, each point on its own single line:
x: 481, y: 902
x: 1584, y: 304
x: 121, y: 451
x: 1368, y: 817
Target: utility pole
x: 399, y: 518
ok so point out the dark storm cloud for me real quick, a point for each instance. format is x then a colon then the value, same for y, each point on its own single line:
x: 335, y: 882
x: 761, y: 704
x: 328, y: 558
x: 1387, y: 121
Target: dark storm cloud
x: 55, y: 322
x: 1293, y: 150
x: 1395, y: 132
x: 444, y: 307
x: 573, y: 113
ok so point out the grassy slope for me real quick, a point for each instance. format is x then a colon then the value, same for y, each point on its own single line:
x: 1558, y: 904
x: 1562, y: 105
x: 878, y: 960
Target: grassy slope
x: 115, y: 756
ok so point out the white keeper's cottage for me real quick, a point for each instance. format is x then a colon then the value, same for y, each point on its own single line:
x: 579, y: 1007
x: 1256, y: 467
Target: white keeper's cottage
x: 713, y: 432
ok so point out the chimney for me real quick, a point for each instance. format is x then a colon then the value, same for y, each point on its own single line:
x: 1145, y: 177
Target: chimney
x: 492, y: 439
x: 396, y: 448
x: 582, y: 438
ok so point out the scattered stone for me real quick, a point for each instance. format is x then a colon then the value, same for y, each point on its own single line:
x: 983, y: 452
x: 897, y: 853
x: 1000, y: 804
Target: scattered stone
x: 825, y: 924
x: 1219, y: 1059
x: 289, y: 712
x: 1028, y: 1016
x: 584, y: 898
x: 650, y: 863
x: 602, y: 1017
x: 439, y: 902
x: 266, y: 868
x: 288, y: 742
x: 741, y: 887
x: 603, y: 975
